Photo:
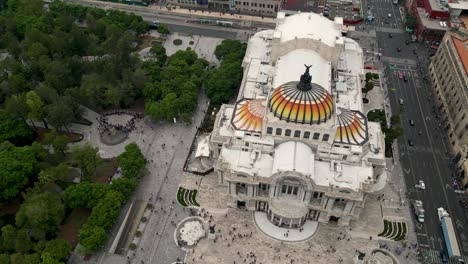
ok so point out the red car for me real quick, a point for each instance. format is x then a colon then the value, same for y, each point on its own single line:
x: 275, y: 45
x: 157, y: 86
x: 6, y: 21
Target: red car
x: 401, y: 75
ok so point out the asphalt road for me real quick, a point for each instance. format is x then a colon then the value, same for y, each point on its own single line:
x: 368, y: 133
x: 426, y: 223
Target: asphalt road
x: 175, y: 23
x: 428, y: 159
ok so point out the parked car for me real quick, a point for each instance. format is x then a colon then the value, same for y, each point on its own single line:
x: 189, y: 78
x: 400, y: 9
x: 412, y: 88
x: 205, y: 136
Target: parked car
x: 401, y: 101
x: 405, y: 78
x: 400, y: 74
x: 410, y: 142
x: 395, y: 2
x: 411, y: 122
x: 389, y: 15
x: 390, y: 35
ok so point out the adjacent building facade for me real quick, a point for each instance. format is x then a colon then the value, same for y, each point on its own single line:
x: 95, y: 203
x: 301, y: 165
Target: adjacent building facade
x: 435, y: 17
x: 251, y: 7
x: 296, y: 144
x: 449, y: 74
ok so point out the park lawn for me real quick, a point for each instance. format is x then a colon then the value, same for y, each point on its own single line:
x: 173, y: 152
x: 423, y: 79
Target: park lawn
x: 70, y: 229
x: 105, y: 170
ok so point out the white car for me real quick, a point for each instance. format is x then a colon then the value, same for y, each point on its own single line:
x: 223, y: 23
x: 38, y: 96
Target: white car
x: 421, y: 185
x: 389, y: 15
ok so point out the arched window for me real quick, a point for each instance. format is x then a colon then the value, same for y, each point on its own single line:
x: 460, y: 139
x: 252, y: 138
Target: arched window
x: 287, y: 132
x: 269, y: 130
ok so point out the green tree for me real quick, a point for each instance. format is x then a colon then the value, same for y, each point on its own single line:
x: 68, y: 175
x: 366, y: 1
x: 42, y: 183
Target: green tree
x: 17, y: 165
x: 8, y: 239
x: 16, y: 105
x: 87, y: 158
x: 15, y: 130
x: 41, y: 213
x: 368, y: 87
x: 58, y: 142
x: 159, y: 53
x: 131, y: 161
x: 395, y: 120
x: 5, y: 259
x: 106, y: 212
x: 368, y: 76
x: 47, y: 258
x: 125, y: 186
x: 34, y: 258
x: 163, y: 29
x: 23, y: 242
x: 53, y: 174
x: 84, y: 195
x: 92, y: 237
x: 229, y: 46
x: 36, y: 107
x: 411, y: 21
x: 17, y: 258
x: 57, y: 248
x: 60, y: 114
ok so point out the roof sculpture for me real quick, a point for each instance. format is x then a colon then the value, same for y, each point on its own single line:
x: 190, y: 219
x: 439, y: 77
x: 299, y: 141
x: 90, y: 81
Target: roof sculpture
x: 352, y: 127
x: 248, y: 115
x: 302, y: 102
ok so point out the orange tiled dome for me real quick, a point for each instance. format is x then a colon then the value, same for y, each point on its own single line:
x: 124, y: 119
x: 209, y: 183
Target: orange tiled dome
x: 307, y: 106
x: 248, y: 115
x: 352, y: 127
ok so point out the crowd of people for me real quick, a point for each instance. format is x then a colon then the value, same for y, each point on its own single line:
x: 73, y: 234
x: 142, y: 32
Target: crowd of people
x: 106, y: 126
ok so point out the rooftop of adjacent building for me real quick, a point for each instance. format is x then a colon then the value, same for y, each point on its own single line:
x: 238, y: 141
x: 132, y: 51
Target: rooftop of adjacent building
x: 431, y: 23
x: 460, y: 41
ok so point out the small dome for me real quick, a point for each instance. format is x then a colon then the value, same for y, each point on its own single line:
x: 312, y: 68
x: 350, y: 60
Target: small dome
x: 307, y: 106
x: 248, y: 115
x: 352, y: 127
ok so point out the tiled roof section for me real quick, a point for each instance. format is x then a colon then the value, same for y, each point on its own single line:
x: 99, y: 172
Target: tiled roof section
x: 462, y: 50
x: 248, y: 115
x: 352, y: 127
x: 312, y: 106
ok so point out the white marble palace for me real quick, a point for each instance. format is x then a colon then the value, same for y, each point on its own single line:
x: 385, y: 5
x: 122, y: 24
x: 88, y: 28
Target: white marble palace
x: 296, y: 144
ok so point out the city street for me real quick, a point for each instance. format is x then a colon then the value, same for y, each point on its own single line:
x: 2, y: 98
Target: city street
x: 429, y: 158
x: 175, y: 22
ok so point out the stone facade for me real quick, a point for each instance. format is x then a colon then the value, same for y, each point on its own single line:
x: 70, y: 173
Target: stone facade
x: 450, y: 80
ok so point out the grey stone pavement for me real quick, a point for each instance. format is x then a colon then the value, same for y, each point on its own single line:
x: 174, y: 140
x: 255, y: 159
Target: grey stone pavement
x: 164, y: 172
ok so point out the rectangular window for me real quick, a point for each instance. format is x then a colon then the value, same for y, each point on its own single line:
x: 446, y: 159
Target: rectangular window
x: 325, y: 137
x: 307, y: 135
x: 316, y: 136
x: 290, y: 189
x: 269, y: 130
x: 295, y: 190
x: 283, y: 189
x: 297, y: 133
x: 279, y: 131
x: 288, y: 132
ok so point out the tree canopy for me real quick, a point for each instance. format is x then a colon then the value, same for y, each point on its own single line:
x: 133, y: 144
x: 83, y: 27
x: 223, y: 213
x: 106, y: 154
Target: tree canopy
x: 84, y: 195
x: 41, y: 213
x: 17, y: 166
x: 87, y: 158
x: 224, y: 81
x: 15, y: 130
x: 131, y: 161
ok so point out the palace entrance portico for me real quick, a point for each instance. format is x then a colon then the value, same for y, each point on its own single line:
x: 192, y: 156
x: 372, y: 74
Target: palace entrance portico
x: 287, y: 213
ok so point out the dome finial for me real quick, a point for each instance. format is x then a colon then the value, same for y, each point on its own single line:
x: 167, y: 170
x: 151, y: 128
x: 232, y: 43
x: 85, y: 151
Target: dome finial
x: 306, y: 79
